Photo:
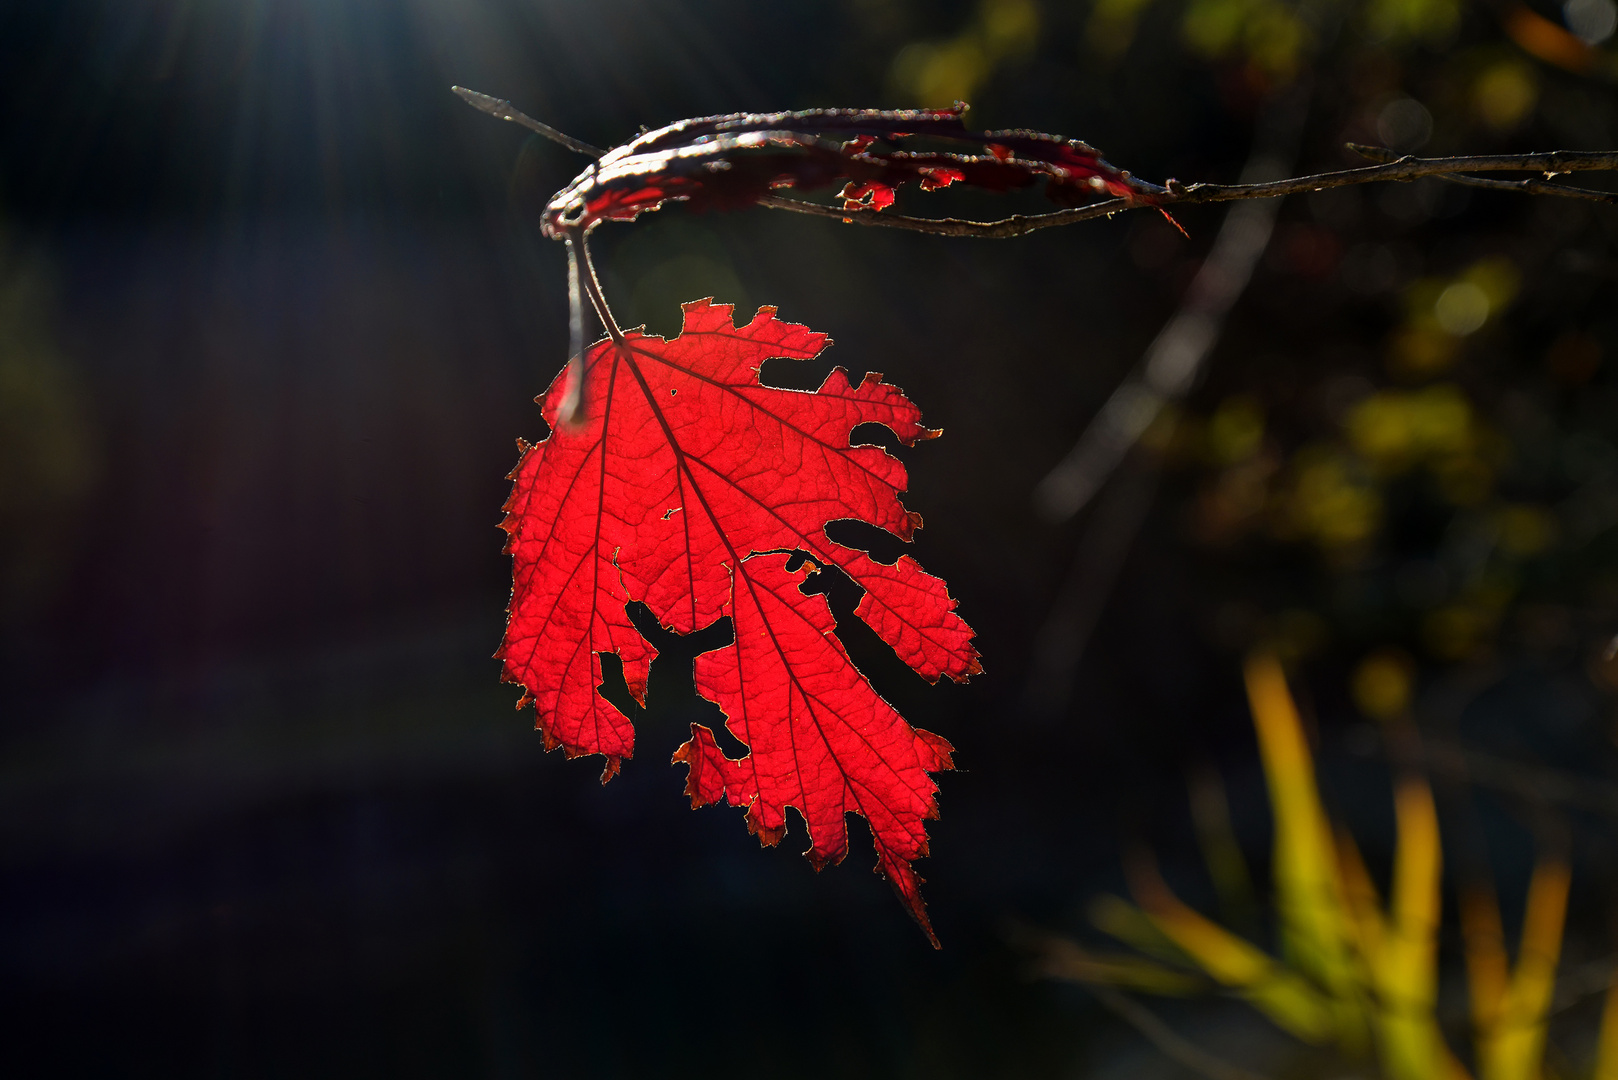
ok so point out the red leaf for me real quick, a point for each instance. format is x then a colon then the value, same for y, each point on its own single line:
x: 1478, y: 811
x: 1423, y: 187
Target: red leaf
x: 687, y: 486
x: 871, y: 195
x: 933, y: 179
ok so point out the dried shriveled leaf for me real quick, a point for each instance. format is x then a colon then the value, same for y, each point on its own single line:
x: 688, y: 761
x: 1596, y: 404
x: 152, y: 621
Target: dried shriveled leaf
x: 730, y: 161
x: 688, y: 486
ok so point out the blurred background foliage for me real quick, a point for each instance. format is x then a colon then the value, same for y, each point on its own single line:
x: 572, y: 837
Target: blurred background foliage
x: 273, y: 310
x: 1357, y: 980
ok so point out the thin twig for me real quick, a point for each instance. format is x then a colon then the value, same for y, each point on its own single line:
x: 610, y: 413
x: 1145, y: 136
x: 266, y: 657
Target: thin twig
x: 1533, y: 185
x: 1003, y: 228
x: 1173, y: 193
x: 1174, y: 360
x: 1056, y: 955
x: 1168, y: 1041
x: 1099, y: 556
x: 502, y: 109
x: 1574, y: 987
x: 1167, y: 371
x: 1531, y: 782
x: 1177, y: 194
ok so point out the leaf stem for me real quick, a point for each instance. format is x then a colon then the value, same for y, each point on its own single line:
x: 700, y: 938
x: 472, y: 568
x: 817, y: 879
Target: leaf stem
x: 578, y: 256
x: 572, y: 409
x: 592, y: 287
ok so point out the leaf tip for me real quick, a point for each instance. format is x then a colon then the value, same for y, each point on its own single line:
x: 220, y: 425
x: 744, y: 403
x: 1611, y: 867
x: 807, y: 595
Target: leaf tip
x: 935, y: 751
x: 906, y: 885
x: 821, y: 861
x: 768, y: 835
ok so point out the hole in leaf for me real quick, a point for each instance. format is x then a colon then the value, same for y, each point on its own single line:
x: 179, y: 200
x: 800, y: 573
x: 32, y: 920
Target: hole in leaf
x: 874, y: 435
x: 789, y: 374
x: 869, y: 652
x: 672, y: 701
x: 614, y: 688
x: 879, y: 544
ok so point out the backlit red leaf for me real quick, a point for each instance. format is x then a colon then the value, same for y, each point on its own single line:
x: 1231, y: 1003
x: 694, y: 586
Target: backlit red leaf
x: 687, y: 486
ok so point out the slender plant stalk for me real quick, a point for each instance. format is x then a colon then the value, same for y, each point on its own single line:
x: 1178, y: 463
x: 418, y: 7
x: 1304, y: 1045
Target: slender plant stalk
x: 1169, y: 1042
x: 1391, y: 167
x: 1172, y: 193
x: 581, y: 271
x: 572, y: 410
x: 501, y: 109
x: 1175, y: 193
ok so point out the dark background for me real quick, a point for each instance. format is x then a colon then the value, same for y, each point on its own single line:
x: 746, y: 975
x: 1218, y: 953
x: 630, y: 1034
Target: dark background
x: 273, y: 311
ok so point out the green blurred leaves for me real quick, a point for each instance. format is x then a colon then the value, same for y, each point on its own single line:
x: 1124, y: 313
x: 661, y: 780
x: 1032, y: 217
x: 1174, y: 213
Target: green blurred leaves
x: 1355, y: 971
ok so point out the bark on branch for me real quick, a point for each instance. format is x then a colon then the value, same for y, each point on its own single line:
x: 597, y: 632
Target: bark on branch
x: 1174, y: 193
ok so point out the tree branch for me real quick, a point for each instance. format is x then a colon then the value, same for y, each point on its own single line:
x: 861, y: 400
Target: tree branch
x: 1175, y: 193
x: 1533, y: 185
x: 501, y: 109
x: 1168, y: 370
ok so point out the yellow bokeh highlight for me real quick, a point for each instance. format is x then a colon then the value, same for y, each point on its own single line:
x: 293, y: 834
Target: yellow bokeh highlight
x: 1267, y: 33
x: 1111, y: 26
x: 1497, y: 277
x: 1401, y: 21
x: 1397, y: 429
x: 1213, y: 27
x: 937, y: 74
x: 1439, y: 313
x: 1236, y: 429
x: 1505, y: 94
x: 1525, y: 531
x: 1332, y: 501
x: 1423, y: 351
x: 1462, y: 308
x: 1382, y: 684
x: 1008, y: 27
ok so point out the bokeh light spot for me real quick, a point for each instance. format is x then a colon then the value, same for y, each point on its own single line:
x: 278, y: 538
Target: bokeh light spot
x: 1462, y: 308
x: 1382, y: 683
